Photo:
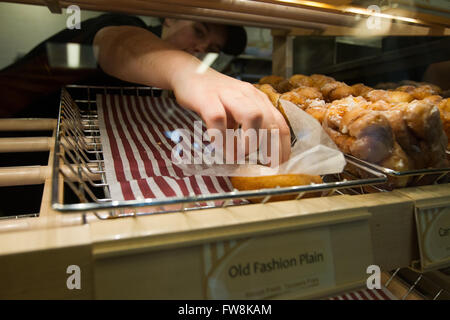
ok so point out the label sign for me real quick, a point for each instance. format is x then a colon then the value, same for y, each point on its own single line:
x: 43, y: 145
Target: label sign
x: 268, y: 266
x: 433, y: 227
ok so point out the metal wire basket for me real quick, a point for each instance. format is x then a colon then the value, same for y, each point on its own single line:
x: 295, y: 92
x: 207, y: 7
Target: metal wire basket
x: 417, y: 177
x: 79, y: 168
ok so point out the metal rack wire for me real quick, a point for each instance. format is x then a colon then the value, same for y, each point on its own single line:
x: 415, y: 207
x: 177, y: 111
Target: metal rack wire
x: 415, y: 177
x: 427, y: 286
x: 79, y: 167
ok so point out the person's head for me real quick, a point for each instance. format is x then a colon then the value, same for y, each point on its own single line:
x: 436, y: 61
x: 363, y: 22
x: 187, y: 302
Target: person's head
x: 200, y: 37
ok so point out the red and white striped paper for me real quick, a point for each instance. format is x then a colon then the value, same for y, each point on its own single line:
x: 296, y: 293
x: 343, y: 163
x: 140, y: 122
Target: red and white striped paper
x: 366, y: 294
x: 136, y: 139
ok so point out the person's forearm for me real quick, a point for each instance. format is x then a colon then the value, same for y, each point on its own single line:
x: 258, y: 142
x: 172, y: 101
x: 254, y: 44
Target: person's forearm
x: 136, y: 55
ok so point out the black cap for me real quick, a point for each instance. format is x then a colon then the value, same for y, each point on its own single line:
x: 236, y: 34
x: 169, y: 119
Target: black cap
x: 236, y: 40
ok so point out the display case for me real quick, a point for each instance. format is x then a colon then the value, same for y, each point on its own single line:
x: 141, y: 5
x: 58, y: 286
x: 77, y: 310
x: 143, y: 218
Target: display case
x: 305, y: 248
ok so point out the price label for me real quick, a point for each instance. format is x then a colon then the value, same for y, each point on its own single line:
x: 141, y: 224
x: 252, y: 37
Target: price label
x: 433, y: 228
x: 268, y: 266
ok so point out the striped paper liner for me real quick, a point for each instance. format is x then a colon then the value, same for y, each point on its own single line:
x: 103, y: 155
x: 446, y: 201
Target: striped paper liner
x: 366, y: 294
x: 137, y: 139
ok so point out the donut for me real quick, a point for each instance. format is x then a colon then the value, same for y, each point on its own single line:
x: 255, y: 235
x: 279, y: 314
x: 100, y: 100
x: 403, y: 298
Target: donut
x: 269, y: 182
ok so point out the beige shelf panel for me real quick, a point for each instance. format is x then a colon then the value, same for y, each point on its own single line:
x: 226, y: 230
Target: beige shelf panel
x: 135, y: 247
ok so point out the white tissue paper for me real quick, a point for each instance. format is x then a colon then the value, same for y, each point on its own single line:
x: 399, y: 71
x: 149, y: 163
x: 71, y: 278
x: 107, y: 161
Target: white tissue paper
x: 314, y: 152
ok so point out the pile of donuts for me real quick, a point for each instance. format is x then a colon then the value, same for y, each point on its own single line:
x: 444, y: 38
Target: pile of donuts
x: 401, y: 85
x: 405, y: 128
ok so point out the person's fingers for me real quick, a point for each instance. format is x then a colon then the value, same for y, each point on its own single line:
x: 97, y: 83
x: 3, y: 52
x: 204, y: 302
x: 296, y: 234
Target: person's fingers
x: 214, y: 115
x: 254, y: 110
x: 225, y: 103
x: 231, y: 123
x: 284, y: 136
x: 274, y: 120
x: 246, y: 112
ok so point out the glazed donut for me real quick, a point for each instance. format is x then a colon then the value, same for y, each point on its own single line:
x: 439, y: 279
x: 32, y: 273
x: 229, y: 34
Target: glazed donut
x: 336, y: 90
x: 317, y: 109
x: 405, y: 127
x: 406, y: 88
x: 389, y: 96
x: 274, y: 97
x: 300, y: 80
x: 272, y: 80
x: 271, y: 93
x: 359, y: 131
x: 300, y: 96
x: 434, y: 99
x: 424, y: 91
x: 434, y: 87
x: 269, y: 182
x: 360, y: 89
x: 444, y: 108
x: 318, y: 80
x: 293, y: 97
x: 308, y: 93
x: 284, y: 86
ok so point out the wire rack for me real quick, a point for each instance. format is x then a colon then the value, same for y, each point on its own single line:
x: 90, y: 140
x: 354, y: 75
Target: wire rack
x: 410, y: 177
x: 79, y: 168
x: 433, y: 285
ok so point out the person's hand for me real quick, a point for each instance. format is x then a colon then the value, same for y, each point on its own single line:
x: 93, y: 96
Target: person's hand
x: 136, y: 55
x: 225, y: 103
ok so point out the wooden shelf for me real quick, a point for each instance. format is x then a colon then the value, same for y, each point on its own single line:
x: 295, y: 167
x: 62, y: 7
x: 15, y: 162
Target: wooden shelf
x: 131, y: 248
x: 297, y: 17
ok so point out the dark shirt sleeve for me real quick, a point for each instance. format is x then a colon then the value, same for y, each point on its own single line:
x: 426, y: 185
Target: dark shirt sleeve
x: 25, y: 84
